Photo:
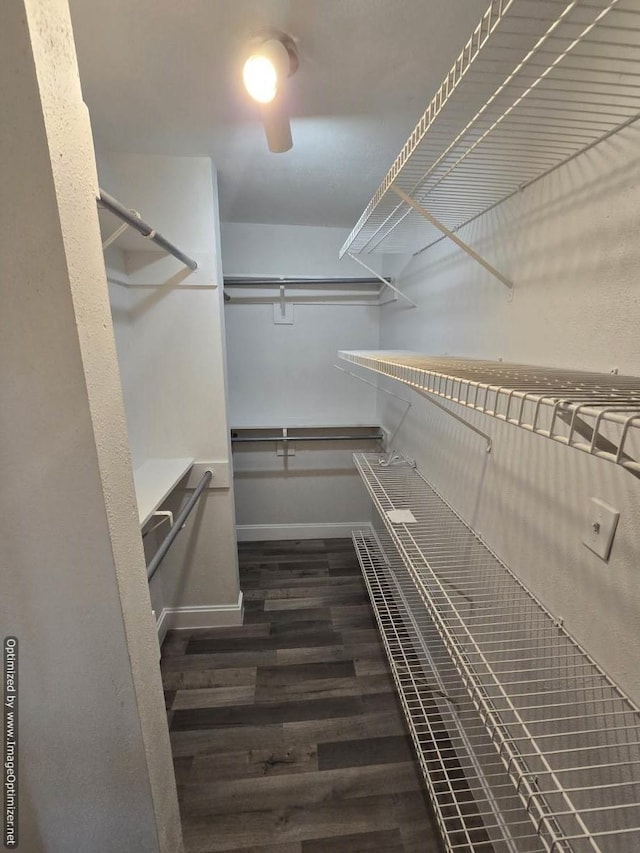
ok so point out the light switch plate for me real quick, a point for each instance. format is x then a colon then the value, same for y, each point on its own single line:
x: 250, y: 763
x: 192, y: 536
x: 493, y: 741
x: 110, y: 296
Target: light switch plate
x: 601, y: 527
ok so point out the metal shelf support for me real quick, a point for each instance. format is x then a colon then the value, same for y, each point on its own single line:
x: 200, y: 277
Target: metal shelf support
x: 460, y: 420
x: 385, y: 281
x: 452, y: 236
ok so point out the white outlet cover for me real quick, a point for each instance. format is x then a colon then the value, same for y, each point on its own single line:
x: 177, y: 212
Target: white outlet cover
x: 601, y: 527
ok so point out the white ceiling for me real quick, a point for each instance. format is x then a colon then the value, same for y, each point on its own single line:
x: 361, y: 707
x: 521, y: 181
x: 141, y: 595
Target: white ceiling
x: 164, y: 77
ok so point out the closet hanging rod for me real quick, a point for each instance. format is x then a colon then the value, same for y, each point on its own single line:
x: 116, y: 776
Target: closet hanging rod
x: 167, y: 542
x: 376, y: 436
x: 108, y: 202
x: 276, y: 280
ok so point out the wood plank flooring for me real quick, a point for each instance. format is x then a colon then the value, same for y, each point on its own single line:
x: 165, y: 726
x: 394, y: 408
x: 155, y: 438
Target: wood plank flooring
x: 286, y: 732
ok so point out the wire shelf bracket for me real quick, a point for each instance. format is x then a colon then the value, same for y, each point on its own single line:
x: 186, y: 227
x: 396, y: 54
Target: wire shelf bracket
x: 429, y: 397
x: 595, y: 413
x: 389, y: 439
x: 384, y: 281
x: 460, y: 420
x: 452, y: 236
x: 510, y: 683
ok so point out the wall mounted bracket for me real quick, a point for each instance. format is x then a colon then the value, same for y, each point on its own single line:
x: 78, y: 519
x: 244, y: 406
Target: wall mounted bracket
x: 460, y: 420
x: 283, y: 310
x: 394, y: 459
x: 452, y: 236
x: 592, y: 434
x: 385, y: 281
x: 407, y: 403
x: 164, y: 515
x: 284, y: 446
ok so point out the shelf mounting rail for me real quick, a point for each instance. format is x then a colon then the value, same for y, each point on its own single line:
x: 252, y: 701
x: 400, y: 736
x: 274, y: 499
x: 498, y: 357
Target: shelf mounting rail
x: 567, y: 736
x: 537, y: 84
x: 593, y: 412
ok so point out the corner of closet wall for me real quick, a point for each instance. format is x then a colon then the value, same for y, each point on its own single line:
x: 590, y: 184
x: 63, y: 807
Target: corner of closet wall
x: 569, y: 244
x: 281, y: 374
x: 169, y: 330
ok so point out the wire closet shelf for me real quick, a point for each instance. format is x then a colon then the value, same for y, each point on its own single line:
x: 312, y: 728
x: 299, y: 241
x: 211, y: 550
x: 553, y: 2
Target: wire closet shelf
x: 538, y: 82
x: 597, y: 413
x: 473, y: 797
x: 565, y: 734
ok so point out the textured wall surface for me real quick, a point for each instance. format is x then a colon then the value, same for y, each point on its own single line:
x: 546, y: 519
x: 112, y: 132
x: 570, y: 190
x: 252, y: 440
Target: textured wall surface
x: 255, y: 249
x: 569, y: 242
x: 95, y: 763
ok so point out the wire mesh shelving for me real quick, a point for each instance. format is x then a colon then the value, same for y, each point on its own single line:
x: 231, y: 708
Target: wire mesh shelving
x: 538, y: 82
x: 473, y: 797
x: 597, y: 413
x: 486, y: 672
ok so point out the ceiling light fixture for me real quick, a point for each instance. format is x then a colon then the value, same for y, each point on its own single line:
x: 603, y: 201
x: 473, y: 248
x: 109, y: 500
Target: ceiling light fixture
x: 270, y: 63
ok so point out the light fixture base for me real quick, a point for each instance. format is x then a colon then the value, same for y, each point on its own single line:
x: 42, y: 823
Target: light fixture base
x: 290, y: 46
x: 286, y: 40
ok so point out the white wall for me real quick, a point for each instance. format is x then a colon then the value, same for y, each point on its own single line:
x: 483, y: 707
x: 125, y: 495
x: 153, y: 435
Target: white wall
x: 289, y: 250
x: 95, y: 768
x: 570, y: 243
x: 170, y: 338
x: 283, y: 375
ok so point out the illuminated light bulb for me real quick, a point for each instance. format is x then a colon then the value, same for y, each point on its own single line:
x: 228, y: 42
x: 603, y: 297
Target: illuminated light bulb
x: 266, y: 69
x: 260, y: 78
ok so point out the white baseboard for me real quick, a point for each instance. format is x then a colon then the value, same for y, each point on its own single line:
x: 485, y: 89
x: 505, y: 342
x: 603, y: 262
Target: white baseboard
x: 269, y: 532
x: 212, y: 616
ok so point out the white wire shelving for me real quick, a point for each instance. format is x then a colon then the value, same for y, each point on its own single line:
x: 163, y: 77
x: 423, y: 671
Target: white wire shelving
x: 473, y: 797
x: 597, y: 413
x: 565, y: 735
x: 538, y: 82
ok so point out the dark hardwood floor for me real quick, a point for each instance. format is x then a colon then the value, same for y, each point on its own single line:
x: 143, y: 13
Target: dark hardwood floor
x: 286, y: 732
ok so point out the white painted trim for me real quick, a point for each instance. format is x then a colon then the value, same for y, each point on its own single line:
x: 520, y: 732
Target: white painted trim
x: 162, y: 625
x: 211, y: 616
x: 269, y: 532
